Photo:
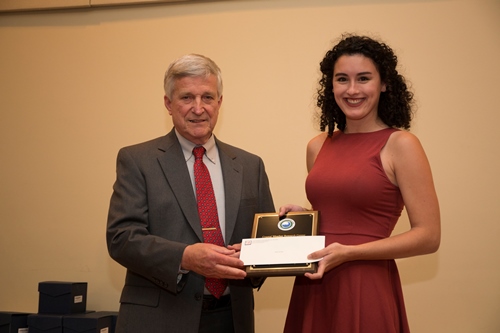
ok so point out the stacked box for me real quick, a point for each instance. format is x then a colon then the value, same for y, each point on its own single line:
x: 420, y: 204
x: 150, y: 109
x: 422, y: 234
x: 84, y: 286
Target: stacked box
x: 13, y: 322
x: 61, y: 309
x: 57, y: 297
x: 96, y: 322
x: 45, y: 323
x: 114, y: 317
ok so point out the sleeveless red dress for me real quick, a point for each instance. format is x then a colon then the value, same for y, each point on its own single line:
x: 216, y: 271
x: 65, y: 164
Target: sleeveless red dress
x: 357, y: 203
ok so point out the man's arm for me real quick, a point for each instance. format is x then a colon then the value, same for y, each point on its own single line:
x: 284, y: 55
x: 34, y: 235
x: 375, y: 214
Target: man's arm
x: 129, y: 240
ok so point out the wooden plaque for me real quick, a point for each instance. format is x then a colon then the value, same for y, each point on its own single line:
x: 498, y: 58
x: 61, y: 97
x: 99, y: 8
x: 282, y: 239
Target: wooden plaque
x: 292, y: 224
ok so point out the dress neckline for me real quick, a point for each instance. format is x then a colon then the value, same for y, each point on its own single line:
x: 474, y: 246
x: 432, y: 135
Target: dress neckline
x: 372, y: 132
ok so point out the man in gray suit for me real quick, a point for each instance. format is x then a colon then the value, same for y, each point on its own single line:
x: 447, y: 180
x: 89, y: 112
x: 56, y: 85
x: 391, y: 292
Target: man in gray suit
x: 154, y: 227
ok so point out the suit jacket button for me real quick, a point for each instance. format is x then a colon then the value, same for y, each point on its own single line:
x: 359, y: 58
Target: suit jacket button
x: 198, y: 296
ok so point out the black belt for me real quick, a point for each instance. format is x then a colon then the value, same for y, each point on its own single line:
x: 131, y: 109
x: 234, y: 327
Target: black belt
x: 211, y: 302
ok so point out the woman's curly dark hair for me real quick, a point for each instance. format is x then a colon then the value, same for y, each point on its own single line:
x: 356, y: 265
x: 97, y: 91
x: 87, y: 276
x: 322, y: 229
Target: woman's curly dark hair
x: 395, y: 104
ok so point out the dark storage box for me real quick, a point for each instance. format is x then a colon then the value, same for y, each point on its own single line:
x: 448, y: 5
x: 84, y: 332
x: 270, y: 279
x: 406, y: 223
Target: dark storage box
x: 114, y: 317
x: 44, y: 323
x: 13, y: 322
x: 57, y: 297
x: 95, y: 322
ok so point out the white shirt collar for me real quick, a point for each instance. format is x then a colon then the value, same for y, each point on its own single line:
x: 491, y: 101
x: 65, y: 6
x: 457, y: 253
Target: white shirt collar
x: 187, y: 147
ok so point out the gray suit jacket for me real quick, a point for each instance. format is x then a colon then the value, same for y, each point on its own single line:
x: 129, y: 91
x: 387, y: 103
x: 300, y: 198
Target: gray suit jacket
x: 153, y: 217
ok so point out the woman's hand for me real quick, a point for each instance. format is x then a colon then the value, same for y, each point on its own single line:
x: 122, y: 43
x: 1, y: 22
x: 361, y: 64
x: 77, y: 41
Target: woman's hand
x: 290, y: 208
x: 333, y: 255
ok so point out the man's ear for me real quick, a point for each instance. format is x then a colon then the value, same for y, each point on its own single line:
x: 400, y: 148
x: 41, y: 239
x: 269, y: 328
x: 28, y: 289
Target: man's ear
x: 168, y: 104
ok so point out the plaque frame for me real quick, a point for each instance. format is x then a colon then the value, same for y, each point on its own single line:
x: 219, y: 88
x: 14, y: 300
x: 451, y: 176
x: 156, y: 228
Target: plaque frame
x: 266, y: 225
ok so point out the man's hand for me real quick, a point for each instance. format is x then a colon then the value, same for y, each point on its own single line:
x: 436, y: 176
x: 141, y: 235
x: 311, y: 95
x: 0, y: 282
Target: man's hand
x: 237, y: 250
x: 213, y: 261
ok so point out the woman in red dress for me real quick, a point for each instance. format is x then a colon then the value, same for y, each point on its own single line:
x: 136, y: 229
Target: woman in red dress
x: 363, y: 169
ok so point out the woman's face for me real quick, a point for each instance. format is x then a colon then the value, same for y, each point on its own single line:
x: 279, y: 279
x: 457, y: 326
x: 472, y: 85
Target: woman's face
x: 357, y: 87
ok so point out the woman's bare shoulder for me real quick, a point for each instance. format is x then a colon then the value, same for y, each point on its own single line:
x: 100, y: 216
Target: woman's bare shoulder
x: 404, y: 141
x: 313, y: 148
x: 317, y: 141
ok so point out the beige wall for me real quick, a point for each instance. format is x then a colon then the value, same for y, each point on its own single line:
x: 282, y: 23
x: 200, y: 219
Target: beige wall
x: 75, y: 86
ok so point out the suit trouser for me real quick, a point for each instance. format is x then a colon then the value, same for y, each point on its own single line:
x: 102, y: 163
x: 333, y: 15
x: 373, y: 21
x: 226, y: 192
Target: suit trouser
x: 216, y: 315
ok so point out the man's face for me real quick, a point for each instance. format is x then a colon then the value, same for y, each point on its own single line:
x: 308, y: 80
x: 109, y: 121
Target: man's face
x: 194, y: 107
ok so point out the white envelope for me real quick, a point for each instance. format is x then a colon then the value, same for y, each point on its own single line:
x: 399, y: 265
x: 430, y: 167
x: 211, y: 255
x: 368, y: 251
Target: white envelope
x: 280, y: 250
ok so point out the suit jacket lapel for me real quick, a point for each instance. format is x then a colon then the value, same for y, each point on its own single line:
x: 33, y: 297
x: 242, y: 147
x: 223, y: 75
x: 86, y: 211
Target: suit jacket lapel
x: 232, y: 173
x: 175, y: 170
x: 177, y: 175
